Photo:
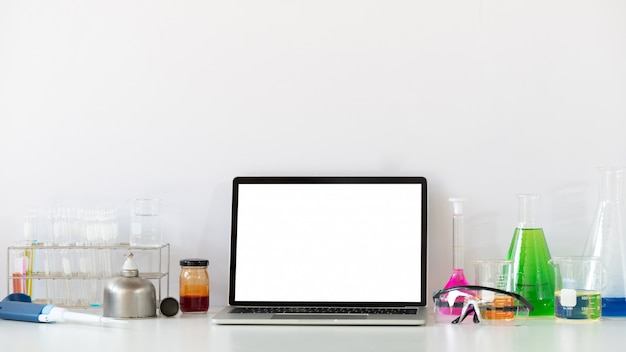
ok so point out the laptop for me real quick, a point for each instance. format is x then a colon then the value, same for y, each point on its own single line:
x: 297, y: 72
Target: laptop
x: 327, y: 251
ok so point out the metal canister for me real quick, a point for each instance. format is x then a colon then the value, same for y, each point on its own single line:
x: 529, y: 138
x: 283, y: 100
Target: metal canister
x: 129, y: 296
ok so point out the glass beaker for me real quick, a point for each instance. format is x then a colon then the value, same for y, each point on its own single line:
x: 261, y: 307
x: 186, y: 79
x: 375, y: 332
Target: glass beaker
x: 577, y: 286
x: 495, y: 274
x: 534, y: 279
x: 145, y: 223
x: 606, y: 240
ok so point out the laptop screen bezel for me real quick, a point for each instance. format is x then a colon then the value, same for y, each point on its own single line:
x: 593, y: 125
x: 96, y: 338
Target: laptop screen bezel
x: 237, y: 181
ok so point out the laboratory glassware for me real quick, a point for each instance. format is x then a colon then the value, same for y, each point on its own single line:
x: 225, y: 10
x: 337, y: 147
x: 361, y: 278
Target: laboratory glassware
x: 47, y: 273
x: 194, y: 285
x: 577, y: 287
x: 498, y: 274
x: 474, y: 303
x: 534, y: 277
x: 30, y: 239
x: 607, y: 240
x: 458, y: 275
x: 145, y: 223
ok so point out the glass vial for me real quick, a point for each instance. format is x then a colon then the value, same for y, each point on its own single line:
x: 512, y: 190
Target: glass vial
x: 533, y: 274
x: 607, y: 240
x: 194, y: 285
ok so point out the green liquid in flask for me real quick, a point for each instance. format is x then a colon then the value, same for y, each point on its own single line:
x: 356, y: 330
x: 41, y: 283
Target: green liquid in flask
x: 534, y: 275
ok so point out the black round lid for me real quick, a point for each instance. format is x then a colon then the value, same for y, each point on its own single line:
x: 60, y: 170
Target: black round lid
x: 194, y: 262
x: 169, y: 307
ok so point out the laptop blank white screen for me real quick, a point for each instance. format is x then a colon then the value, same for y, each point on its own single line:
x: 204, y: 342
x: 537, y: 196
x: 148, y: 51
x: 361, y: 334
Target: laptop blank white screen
x: 329, y: 243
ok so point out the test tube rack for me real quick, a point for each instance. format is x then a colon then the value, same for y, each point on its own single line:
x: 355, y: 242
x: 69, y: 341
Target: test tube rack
x: 75, y: 276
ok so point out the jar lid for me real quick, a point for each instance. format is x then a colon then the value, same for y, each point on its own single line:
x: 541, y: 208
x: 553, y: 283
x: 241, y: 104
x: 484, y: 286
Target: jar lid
x: 169, y: 307
x: 194, y: 262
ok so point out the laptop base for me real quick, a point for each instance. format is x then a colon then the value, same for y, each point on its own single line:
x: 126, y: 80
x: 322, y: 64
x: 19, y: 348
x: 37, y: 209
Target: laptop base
x: 225, y: 317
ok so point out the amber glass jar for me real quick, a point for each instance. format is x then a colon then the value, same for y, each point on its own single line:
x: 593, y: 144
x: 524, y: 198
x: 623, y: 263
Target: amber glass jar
x: 194, y: 285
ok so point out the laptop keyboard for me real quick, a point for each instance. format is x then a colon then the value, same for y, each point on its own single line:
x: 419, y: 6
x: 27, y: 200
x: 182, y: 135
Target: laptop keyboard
x: 323, y: 310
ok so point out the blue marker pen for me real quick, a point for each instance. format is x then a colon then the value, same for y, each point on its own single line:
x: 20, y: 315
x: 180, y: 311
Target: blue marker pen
x: 18, y: 306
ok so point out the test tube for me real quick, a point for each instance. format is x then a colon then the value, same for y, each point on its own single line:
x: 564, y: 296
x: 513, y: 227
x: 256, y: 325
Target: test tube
x: 46, y: 254
x: 30, y: 238
x: 19, y: 272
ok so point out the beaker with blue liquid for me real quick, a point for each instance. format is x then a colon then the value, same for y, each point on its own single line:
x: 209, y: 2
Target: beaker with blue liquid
x: 577, y: 284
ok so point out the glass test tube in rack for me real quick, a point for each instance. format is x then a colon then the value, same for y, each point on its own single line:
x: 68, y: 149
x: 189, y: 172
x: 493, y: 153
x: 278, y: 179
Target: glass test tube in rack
x: 74, y: 276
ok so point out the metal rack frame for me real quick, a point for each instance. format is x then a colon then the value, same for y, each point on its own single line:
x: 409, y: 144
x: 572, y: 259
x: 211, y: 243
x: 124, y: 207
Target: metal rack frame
x: 161, y: 273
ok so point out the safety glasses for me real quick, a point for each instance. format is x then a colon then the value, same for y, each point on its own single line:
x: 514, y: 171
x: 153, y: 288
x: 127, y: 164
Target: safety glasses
x: 486, y: 304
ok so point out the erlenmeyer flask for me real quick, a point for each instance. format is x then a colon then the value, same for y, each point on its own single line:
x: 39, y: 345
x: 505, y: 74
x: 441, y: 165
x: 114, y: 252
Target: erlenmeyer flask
x: 606, y: 240
x: 534, y: 277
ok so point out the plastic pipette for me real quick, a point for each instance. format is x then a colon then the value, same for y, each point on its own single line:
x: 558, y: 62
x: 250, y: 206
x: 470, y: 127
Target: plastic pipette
x: 18, y: 306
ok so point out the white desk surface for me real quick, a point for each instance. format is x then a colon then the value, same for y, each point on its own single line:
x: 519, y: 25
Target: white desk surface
x: 197, y: 333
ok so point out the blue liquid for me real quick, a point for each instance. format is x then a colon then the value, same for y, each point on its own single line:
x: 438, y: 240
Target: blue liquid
x: 587, y: 306
x: 614, y: 307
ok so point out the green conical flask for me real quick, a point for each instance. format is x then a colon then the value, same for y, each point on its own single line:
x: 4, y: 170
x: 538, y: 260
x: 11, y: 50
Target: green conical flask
x: 534, y: 278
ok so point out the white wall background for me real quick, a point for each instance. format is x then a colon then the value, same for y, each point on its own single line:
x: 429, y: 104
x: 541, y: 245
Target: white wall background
x: 105, y: 100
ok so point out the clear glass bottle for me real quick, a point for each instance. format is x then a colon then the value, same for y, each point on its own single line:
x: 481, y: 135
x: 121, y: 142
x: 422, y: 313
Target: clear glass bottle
x: 194, y: 285
x: 607, y: 240
x: 534, y: 276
